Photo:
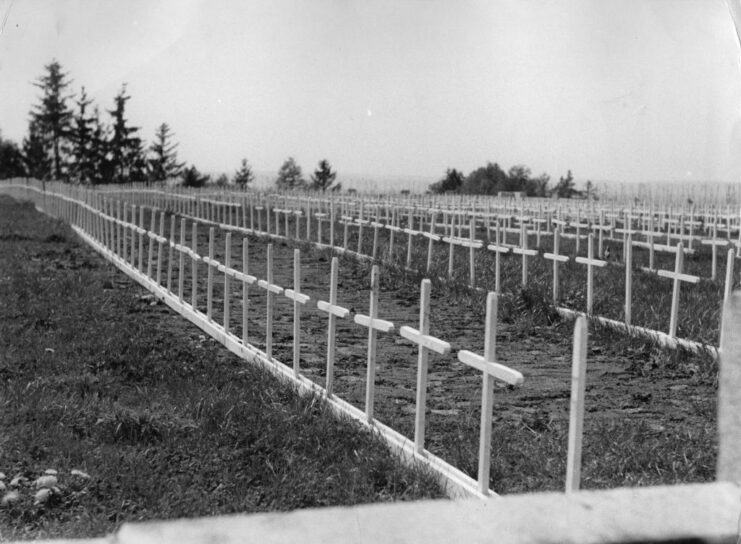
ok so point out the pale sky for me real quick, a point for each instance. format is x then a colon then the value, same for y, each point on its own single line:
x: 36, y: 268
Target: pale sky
x: 624, y: 90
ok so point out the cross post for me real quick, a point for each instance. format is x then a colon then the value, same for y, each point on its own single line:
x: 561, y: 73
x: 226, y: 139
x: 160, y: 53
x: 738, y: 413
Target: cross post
x: 334, y: 312
x: 557, y: 259
x: 678, y: 277
x: 576, y: 411
x: 591, y: 262
x: 498, y: 248
x: 272, y: 290
x: 299, y: 299
x: 524, y: 251
x: 491, y: 370
x: 426, y: 343
x: 374, y: 325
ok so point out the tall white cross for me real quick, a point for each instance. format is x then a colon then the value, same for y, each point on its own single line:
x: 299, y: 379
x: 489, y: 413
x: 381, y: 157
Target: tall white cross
x: 499, y: 249
x: 271, y: 289
x: 334, y: 312
x: 374, y: 325
x: 557, y: 259
x: 591, y: 262
x: 299, y: 299
x: 491, y: 370
x: 524, y: 251
x: 678, y: 277
x: 426, y: 343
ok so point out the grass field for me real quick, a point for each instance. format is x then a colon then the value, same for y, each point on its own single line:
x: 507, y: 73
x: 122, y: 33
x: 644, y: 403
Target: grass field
x: 96, y: 377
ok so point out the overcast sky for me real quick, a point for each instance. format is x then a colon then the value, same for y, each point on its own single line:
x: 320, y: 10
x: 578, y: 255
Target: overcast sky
x: 630, y: 90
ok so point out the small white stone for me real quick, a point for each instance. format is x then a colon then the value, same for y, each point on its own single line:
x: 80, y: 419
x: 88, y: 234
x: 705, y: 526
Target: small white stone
x: 17, y: 480
x: 9, y: 498
x: 51, y: 472
x: 81, y: 474
x: 42, y: 495
x: 46, y: 482
x: 2, y: 475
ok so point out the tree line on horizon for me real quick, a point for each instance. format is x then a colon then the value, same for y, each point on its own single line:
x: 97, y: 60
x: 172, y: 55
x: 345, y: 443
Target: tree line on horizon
x: 72, y: 143
x: 492, y: 180
x: 75, y: 145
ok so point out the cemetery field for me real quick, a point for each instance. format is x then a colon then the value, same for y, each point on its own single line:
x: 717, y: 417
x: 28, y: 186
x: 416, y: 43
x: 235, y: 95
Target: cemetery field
x: 142, y: 415
x: 650, y: 412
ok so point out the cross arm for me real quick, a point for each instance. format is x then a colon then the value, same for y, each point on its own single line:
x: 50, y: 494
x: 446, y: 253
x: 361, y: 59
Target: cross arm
x: 270, y: 287
x: 297, y: 297
x: 333, y: 309
x: 500, y: 372
x: 554, y: 257
x: 378, y: 324
x: 425, y: 340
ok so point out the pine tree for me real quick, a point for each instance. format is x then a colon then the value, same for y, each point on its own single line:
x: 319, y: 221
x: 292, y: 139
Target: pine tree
x: 289, y: 176
x: 191, y: 177
x: 244, y: 176
x: 83, y: 166
x: 11, y: 160
x: 323, y: 177
x: 126, y: 151
x: 52, y: 119
x: 163, y: 161
x: 35, y: 156
x: 99, y: 150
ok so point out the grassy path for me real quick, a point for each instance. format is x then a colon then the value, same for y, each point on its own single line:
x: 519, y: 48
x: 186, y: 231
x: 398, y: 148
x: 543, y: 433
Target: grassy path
x: 141, y: 415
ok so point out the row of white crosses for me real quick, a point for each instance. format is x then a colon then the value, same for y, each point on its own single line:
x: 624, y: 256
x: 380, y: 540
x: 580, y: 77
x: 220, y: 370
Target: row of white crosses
x: 426, y: 343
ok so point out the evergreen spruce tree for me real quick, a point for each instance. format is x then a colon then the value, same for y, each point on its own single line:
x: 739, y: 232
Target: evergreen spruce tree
x: 126, y: 151
x: 11, y: 160
x: 99, y: 150
x: 324, y: 177
x: 244, y: 176
x: 289, y: 176
x: 34, y: 151
x: 52, y: 120
x: 163, y: 160
x: 83, y: 165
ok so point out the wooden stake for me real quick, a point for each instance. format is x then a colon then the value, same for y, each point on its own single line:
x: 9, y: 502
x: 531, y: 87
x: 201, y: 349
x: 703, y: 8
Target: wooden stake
x: 170, y: 247
x: 576, y: 414
x: 210, y: 281
x: 181, y: 267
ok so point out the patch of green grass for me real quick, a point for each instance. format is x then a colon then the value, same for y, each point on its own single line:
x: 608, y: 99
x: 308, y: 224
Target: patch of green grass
x: 95, y: 377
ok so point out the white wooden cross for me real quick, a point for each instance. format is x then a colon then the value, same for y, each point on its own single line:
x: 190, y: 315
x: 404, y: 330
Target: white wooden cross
x: 591, y: 262
x: 499, y: 249
x: 334, y: 312
x: 170, y: 249
x: 432, y: 237
x: 715, y: 243
x: 181, y: 262
x: 393, y: 229
x: 160, y: 248
x: 557, y: 259
x: 411, y: 233
x: 271, y: 289
x: 210, y: 281
x: 227, y: 279
x: 299, y: 299
x: 491, y: 370
x: 426, y: 343
x: 678, y: 277
x: 194, y: 263
x: 320, y: 217
x: 374, y: 325
x: 361, y: 221
x: 524, y: 251
x: 576, y: 411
